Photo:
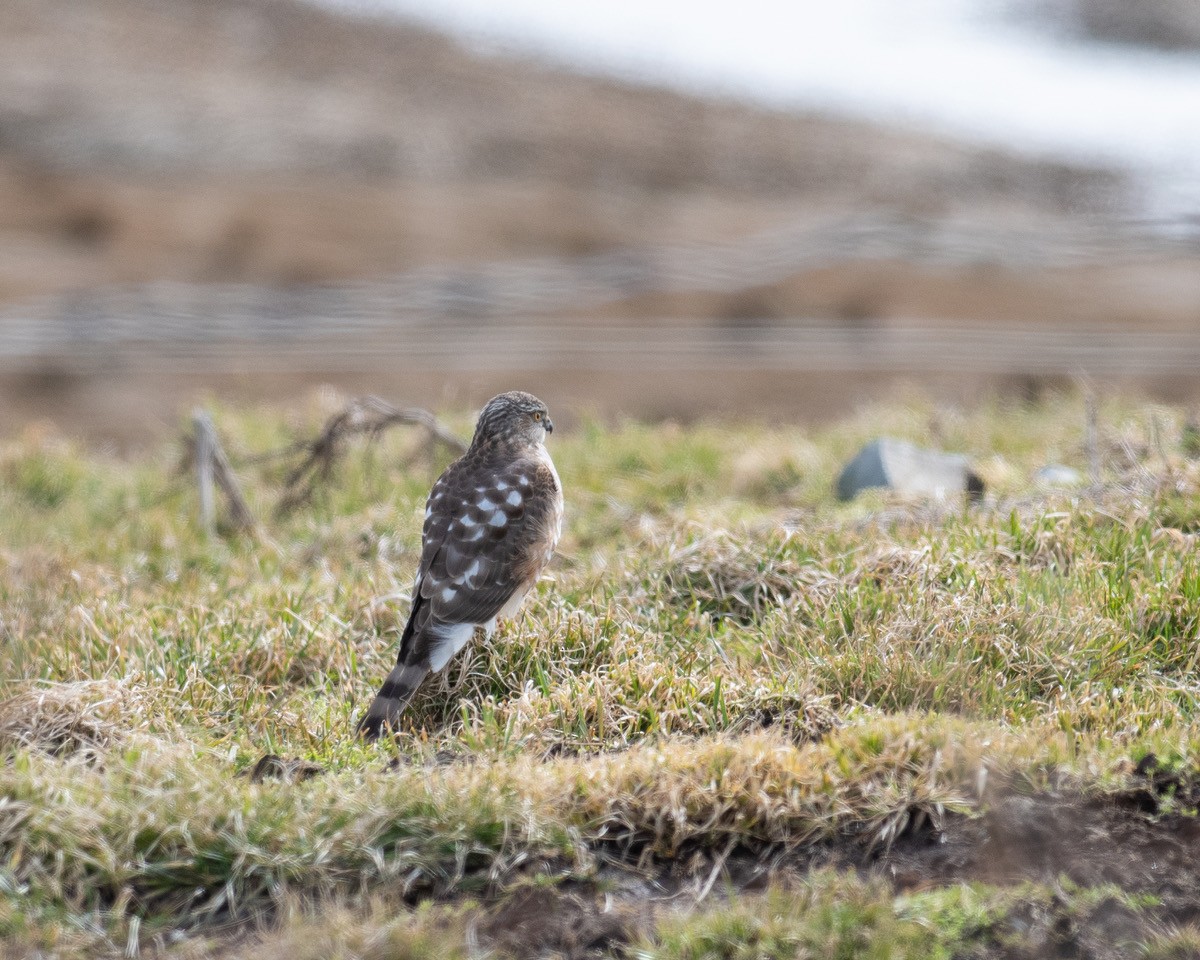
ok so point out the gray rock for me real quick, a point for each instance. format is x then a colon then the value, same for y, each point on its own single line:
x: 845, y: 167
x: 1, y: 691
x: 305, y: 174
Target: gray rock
x: 1058, y: 476
x: 908, y: 470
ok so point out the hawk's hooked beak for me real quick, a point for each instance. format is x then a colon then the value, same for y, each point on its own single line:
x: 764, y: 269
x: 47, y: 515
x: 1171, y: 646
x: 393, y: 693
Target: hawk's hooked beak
x: 548, y: 424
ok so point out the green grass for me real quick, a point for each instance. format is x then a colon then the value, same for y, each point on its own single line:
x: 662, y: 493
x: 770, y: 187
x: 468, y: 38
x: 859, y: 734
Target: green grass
x: 722, y: 658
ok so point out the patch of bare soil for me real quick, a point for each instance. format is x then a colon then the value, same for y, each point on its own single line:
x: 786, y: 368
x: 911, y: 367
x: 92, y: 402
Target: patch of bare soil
x: 570, y: 923
x: 1144, y: 840
x: 1135, y: 840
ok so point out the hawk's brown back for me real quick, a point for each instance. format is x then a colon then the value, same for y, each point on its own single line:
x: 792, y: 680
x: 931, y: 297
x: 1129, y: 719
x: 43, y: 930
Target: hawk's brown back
x: 492, y: 522
x: 491, y: 526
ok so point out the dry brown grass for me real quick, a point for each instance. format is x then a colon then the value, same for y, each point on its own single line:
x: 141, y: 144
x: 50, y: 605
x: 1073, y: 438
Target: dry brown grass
x: 84, y: 718
x: 728, y: 576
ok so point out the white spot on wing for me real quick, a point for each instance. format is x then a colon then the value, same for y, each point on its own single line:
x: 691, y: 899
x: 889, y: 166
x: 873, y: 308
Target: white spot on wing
x: 486, y: 504
x: 477, y: 535
x: 501, y: 486
x: 469, y: 574
x: 514, y: 499
x: 498, y: 519
x: 448, y: 594
x: 467, y: 522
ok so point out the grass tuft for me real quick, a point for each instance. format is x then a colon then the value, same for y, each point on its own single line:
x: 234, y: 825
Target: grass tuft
x: 85, y: 718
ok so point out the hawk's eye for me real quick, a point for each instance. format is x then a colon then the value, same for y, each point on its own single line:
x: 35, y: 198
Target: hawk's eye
x: 537, y: 416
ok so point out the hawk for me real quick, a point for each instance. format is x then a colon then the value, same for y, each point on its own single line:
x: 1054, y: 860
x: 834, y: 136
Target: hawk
x: 492, y: 522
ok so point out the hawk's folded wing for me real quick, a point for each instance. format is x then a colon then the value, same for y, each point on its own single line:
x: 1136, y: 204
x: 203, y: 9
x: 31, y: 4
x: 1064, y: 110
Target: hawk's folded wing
x: 490, y: 528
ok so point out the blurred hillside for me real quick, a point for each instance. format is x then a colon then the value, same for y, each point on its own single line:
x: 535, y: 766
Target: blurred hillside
x: 192, y: 191
x: 271, y: 141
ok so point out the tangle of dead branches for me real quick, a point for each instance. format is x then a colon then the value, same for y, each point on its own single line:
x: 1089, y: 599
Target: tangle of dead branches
x: 368, y: 416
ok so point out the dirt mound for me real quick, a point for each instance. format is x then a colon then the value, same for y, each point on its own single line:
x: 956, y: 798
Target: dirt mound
x: 564, y: 923
x: 1075, y: 865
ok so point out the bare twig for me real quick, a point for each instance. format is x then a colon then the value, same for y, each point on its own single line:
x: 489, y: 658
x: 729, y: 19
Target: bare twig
x: 212, y: 464
x: 364, y: 415
x: 204, y: 438
x: 1092, y: 434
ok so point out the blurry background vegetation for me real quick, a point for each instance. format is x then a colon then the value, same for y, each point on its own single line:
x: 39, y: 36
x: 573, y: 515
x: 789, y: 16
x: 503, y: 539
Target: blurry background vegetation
x: 256, y: 196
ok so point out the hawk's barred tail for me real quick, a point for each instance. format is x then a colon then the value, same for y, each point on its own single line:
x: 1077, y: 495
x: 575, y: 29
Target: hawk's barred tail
x: 391, y: 700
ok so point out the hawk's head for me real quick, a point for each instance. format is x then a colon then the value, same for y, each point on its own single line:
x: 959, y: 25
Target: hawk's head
x: 513, y: 418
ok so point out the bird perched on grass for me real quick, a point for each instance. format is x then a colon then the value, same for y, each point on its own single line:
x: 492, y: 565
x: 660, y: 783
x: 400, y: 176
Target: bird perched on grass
x: 492, y: 522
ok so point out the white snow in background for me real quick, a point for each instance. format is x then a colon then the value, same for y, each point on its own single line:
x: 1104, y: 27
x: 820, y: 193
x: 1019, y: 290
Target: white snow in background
x: 956, y: 66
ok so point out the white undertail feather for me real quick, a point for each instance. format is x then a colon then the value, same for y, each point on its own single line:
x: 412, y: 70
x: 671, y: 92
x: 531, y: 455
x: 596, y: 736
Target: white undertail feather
x: 447, y: 641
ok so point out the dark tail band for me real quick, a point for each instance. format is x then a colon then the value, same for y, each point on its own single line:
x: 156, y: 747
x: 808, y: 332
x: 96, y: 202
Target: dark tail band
x: 391, y: 700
